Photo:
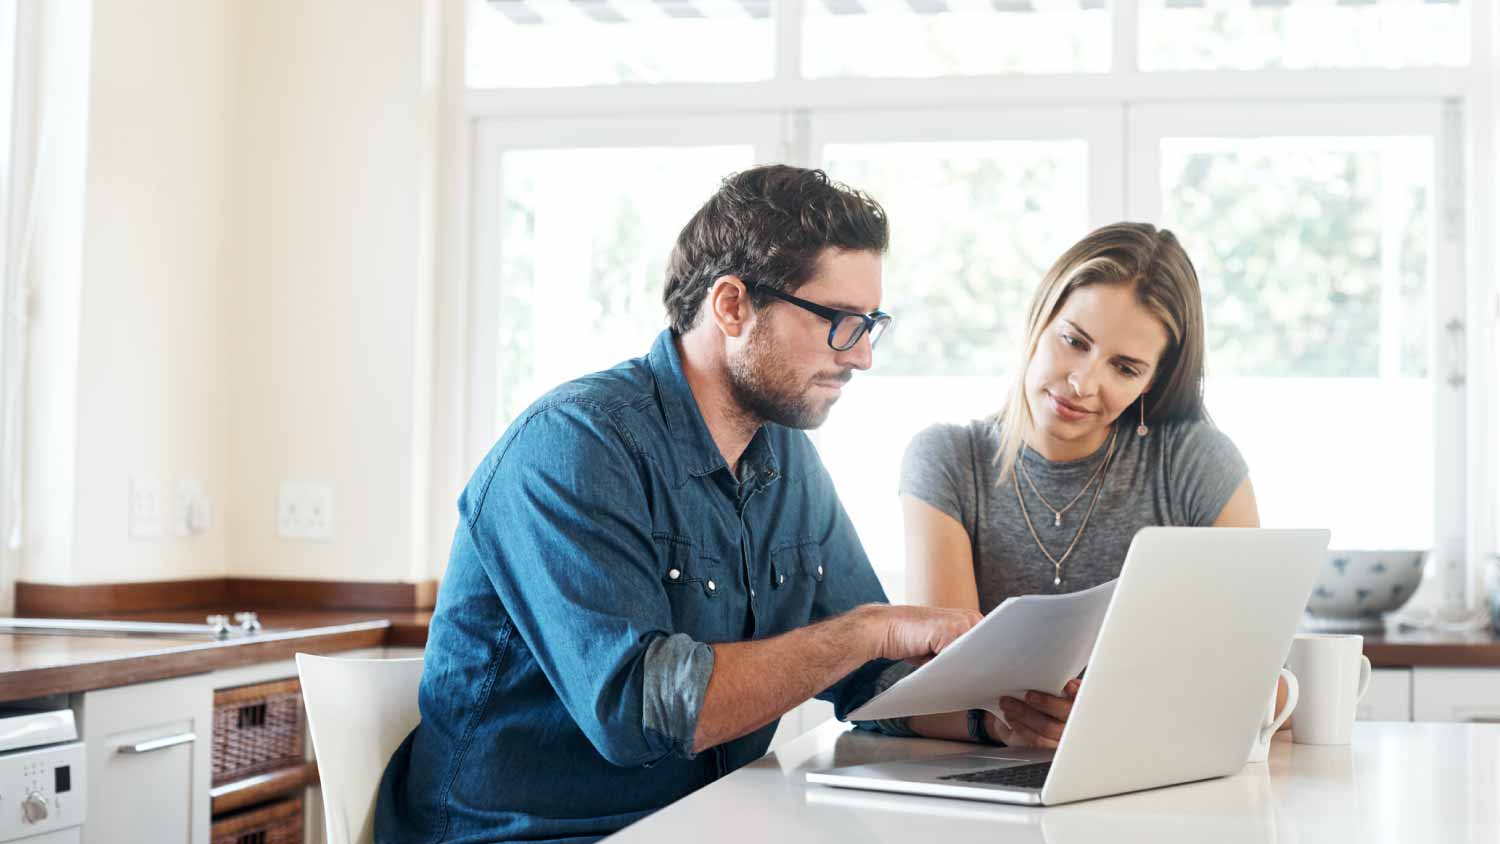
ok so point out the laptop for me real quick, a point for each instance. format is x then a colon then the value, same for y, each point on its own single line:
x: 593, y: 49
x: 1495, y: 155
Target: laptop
x: 1197, y: 631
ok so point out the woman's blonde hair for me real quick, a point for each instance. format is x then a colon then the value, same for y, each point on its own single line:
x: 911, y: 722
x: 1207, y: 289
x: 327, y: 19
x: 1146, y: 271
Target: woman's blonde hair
x: 1153, y: 263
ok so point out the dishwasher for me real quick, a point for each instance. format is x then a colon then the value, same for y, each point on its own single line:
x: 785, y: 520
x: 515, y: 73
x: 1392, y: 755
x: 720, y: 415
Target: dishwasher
x: 42, y: 793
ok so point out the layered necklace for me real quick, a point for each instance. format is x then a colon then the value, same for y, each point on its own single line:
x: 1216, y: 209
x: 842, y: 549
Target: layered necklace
x: 1099, y: 474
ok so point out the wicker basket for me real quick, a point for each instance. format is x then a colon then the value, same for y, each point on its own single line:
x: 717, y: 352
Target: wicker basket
x: 273, y: 823
x: 257, y: 728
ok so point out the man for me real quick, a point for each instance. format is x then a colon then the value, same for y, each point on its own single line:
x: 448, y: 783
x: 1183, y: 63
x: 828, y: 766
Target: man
x: 652, y: 565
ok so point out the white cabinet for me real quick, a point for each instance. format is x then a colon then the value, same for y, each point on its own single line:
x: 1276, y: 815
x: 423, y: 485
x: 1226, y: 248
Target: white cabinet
x: 1389, y: 696
x: 1456, y: 694
x: 147, y: 756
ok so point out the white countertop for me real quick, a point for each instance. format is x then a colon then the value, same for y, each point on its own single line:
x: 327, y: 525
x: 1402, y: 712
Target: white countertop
x: 1397, y: 782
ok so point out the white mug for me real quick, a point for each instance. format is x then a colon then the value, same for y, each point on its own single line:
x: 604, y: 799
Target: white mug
x: 1272, y: 722
x: 1334, y: 675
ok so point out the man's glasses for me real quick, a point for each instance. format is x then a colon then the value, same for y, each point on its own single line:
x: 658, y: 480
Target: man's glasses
x: 845, y: 327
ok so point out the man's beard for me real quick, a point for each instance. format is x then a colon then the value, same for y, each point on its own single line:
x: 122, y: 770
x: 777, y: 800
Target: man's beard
x: 765, y: 387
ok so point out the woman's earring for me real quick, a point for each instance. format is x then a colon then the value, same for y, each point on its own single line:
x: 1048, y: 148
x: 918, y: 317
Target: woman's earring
x: 1141, y: 430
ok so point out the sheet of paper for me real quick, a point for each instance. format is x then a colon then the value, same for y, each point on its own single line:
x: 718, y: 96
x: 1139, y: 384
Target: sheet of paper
x: 1028, y: 642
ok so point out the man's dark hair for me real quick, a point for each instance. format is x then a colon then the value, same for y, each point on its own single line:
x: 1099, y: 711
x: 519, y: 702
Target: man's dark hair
x: 767, y: 225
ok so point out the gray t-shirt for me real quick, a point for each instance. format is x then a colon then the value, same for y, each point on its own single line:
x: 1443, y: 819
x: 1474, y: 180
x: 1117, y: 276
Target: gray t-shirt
x: 1181, y: 473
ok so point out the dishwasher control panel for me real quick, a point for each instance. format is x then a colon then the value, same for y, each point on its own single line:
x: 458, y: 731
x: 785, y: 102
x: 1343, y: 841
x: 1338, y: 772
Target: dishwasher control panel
x: 41, y: 790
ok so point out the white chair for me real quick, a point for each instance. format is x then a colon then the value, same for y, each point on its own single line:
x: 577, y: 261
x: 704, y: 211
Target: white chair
x: 358, y: 712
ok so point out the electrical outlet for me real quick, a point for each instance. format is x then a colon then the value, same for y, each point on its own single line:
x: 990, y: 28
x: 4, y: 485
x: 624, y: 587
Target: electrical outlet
x: 194, y: 514
x: 145, y: 508
x: 304, y: 510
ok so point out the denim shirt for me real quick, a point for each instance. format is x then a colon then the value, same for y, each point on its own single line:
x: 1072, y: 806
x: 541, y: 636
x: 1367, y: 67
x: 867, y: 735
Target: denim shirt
x: 603, y: 546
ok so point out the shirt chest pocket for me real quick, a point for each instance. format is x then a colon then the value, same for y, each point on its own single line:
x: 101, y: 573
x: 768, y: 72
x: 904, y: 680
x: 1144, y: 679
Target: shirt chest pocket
x: 692, y: 581
x: 796, y: 572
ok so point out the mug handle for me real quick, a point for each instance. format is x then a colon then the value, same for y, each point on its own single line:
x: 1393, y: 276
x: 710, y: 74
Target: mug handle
x: 1286, y: 712
x: 1364, y: 678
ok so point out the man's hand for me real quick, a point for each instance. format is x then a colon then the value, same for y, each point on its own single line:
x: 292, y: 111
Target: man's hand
x: 919, y: 633
x: 1036, y: 721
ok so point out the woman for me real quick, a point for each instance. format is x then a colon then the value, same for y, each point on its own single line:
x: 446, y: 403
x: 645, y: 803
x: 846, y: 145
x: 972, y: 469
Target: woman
x: 1103, y: 433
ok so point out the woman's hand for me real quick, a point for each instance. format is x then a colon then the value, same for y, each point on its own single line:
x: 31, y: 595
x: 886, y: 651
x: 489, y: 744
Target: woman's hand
x: 1036, y: 721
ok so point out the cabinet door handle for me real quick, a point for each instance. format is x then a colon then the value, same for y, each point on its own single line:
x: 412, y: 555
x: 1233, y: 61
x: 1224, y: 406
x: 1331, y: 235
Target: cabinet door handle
x: 159, y: 743
x: 1484, y: 719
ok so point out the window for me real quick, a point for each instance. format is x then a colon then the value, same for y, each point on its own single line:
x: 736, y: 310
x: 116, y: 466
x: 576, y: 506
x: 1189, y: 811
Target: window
x: 978, y: 212
x: 576, y: 238
x: 932, y: 38
x: 550, y: 43
x: 1261, y: 34
x: 586, y: 235
x: 1315, y: 240
x: 1326, y: 212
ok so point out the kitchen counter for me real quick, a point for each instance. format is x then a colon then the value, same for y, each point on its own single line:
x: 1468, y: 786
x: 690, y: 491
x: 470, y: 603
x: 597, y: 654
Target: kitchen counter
x: 408, y: 628
x: 33, y: 665
x: 1431, y: 649
x: 1395, y: 783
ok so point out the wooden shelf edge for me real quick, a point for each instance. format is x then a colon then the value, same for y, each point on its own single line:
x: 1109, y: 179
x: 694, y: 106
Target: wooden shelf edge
x: 262, y: 787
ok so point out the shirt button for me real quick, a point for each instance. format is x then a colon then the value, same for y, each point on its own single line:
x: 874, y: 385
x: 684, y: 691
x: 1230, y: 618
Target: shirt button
x: 752, y: 593
x: 673, y: 574
x: 780, y: 579
x: 711, y: 586
x: 820, y: 571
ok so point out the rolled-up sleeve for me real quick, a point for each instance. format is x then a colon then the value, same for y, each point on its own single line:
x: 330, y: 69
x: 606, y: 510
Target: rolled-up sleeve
x: 568, y: 548
x: 887, y: 678
x: 677, y: 671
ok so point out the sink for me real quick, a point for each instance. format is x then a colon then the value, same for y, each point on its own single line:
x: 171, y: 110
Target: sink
x: 218, y: 627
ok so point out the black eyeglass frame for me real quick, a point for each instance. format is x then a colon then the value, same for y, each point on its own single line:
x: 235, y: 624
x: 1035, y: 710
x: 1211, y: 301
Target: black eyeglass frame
x: 868, y: 322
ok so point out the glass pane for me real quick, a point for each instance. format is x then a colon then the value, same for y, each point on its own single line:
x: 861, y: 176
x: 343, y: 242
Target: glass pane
x: 1258, y: 34
x: 974, y: 225
x: 925, y: 38
x: 1314, y: 255
x: 552, y: 43
x: 584, y: 244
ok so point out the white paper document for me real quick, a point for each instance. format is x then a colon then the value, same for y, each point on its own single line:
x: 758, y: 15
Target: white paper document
x: 1028, y: 642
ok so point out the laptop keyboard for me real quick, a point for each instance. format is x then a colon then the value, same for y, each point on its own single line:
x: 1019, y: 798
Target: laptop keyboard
x: 1021, y: 776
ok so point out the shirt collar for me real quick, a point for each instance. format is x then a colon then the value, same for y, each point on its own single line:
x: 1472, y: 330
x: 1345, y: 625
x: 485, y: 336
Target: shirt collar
x: 686, y: 426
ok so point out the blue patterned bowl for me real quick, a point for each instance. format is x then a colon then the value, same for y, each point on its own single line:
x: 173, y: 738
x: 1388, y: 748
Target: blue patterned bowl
x: 1365, y: 585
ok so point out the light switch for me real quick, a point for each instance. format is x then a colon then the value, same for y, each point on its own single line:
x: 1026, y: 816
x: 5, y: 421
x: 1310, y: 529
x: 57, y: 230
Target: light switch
x: 145, y: 508
x: 194, y: 514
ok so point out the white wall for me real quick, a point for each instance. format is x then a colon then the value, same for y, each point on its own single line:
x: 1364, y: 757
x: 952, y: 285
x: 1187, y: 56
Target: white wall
x: 235, y: 283
x: 153, y: 376
x: 332, y: 316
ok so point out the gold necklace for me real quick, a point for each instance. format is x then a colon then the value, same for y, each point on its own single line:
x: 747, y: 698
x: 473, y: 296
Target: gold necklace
x: 1057, y: 562
x: 1056, y: 513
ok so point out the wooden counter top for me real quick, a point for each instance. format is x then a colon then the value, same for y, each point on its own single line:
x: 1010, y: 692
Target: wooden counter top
x: 1433, y: 649
x: 32, y: 665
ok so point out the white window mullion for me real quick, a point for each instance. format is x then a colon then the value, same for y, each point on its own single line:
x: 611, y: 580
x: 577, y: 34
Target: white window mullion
x: 487, y: 189
x: 788, y: 16
x: 1450, y: 329
x: 1107, y: 168
x: 1125, y: 43
x: 1483, y: 186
